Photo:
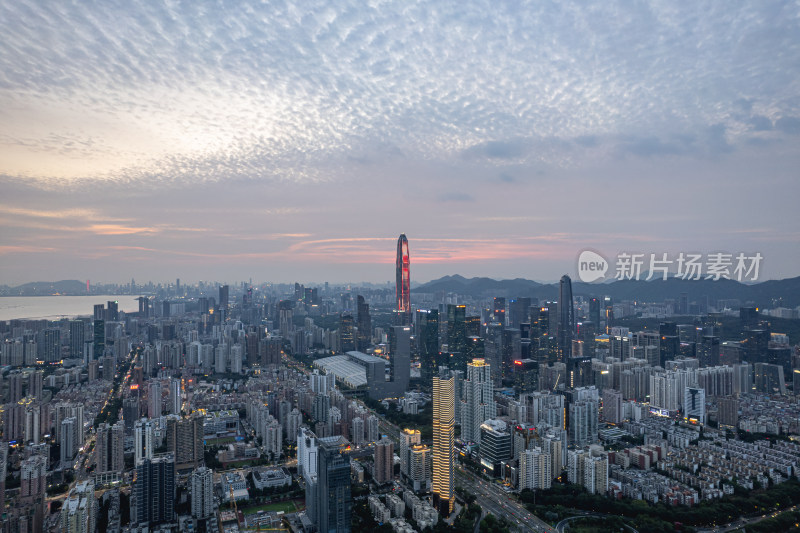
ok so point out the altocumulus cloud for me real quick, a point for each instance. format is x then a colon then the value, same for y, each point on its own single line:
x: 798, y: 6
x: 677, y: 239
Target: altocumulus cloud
x: 191, y: 92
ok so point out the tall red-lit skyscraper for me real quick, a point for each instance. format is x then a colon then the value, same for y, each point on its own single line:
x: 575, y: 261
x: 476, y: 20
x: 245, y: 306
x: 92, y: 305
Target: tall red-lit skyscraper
x: 403, y: 282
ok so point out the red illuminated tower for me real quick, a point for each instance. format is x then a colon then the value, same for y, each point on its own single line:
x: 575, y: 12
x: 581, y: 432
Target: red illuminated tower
x: 403, y: 282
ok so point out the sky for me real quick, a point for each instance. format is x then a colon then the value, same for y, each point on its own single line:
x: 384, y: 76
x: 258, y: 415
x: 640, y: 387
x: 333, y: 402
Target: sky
x: 294, y: 141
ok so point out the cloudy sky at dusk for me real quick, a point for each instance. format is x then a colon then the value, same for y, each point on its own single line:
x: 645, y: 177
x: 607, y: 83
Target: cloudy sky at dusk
x: 294, y: 141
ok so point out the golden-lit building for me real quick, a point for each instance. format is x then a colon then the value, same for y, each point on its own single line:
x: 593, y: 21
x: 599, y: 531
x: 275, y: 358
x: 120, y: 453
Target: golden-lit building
x: 443, y: 435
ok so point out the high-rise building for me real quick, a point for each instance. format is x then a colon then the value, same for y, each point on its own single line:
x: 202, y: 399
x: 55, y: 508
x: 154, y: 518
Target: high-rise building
x: 728, y: 411
x: 583, y: 422
x: 420, y: 467
x: 224, y: 292
x: 495, y: 445
x: 400, y: 359
x: 184, y: 438
x: 35, y: 384
x: 408, y: 438
x: 694, y: 405
x: 443, y: 434
x: 143, y: 446
x: 77, y: 338
x: 427, y: 330
x: 478, y: 404
x: 112, y: 311
x: 130, y: 412
x: 79, y: 512
x: 99, y: 346
x: 796, y: 372
x: 566, y: 319
x: 49, y: 345
x: 202, y: 487
x: 612, y: 406
x: 535, y: 469
x: 499, y: 311
x: 384, y: 461
x: 333, y: 498
x: 110, y: 448
x: 457, y: 330
x: 347, y: 341
x: 154, y: 399
x: 154, y: 491
x: 403, y: 281
x: 364, y: 338
x: 68, y: 443
x: 175, y: 396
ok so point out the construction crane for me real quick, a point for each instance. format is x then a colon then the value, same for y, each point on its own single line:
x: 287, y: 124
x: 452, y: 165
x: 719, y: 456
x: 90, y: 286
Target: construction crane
x: 235, y: 508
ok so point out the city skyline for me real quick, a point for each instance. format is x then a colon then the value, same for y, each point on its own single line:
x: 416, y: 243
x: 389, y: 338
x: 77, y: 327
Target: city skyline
x: 273, y: 142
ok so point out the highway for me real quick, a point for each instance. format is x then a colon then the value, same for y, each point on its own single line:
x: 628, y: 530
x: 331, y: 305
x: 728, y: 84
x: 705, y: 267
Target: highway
x: 494, y: 499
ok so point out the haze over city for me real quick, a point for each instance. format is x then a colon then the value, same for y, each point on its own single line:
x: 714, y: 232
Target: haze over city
x: 282, y: 142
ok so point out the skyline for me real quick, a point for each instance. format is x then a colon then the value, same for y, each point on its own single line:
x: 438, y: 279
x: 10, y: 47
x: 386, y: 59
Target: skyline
x: 154, y: 141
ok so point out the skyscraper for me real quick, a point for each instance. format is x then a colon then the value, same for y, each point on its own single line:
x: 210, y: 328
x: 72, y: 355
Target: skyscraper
x: 333, y: 498
x: 443, y: 434
x: 478, y: 405
x: 427, y: 329
x: 403, y: 281
x: 364, y: 338
x: 224, y: 291
x: 566, y: 319
x: 400, y: 359
x: 347, y: 341
x: 77, y: 338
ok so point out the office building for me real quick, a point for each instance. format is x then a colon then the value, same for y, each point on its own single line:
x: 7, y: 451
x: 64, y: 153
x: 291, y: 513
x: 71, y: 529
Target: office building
x: 403, y: 282
x: 478, y: 404
x: 333, y: 498
x: 443, y: 435
x: 347, y: 342
x: 400, y: 360
x: 566, y: 319
x: 364, y: 337
x: 77, y: 338
x: 495, y: 445
x: 427, y: 334
x: 694, y: 405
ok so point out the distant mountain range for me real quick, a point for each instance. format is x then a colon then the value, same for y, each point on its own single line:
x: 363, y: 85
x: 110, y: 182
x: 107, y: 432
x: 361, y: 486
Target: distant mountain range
x: 773, y: 293
x: 70, y: 287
